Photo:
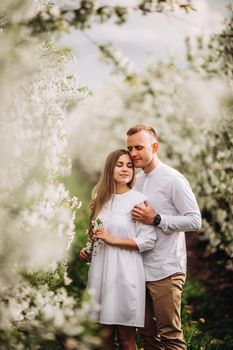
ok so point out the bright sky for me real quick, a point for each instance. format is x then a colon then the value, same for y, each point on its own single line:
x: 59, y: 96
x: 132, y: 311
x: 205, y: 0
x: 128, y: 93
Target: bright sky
x: 156, y: 35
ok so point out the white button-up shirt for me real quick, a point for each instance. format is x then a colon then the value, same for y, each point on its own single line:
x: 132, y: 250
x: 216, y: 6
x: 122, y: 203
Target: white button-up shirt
x: 171, y: 196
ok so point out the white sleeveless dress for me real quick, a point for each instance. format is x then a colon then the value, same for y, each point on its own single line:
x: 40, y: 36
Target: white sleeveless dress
x: 116, y: 276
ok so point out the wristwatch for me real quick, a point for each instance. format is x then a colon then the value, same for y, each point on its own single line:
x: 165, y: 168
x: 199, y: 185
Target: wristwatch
x: 157, y: 220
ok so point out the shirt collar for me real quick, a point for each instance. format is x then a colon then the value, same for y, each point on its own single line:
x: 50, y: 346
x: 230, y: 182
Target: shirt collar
x: 152, y: 172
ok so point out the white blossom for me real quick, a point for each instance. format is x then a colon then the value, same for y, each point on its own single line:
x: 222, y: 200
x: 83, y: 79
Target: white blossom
x: 37, y: 86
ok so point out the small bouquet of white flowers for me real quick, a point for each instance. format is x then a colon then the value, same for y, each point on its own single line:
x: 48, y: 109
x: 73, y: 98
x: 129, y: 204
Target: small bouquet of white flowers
x: 93, y: 243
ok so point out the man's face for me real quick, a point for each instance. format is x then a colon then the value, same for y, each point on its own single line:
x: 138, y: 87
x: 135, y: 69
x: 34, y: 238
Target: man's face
x: 141, y: 148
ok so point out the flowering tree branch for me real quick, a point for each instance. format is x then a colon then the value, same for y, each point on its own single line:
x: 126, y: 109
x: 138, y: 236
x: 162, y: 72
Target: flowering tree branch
x: 88, y: 12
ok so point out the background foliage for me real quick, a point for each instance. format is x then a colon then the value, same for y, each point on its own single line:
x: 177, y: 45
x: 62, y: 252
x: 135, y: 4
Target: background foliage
x: 191, y: 109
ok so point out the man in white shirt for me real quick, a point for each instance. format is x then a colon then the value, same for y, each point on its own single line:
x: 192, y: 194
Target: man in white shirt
x: 173, y: 210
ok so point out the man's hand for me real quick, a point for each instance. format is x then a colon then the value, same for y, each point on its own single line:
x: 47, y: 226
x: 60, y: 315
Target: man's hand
x: 84, y: 255
x: 144, y: 214
x: 105, y: 236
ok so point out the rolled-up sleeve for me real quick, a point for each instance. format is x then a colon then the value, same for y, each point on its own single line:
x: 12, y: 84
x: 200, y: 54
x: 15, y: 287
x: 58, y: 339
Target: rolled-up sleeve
x: 146, y: 236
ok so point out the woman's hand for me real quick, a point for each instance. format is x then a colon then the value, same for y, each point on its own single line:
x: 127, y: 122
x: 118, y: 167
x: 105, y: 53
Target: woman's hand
x: 105, y: 236
x: 84, y: 255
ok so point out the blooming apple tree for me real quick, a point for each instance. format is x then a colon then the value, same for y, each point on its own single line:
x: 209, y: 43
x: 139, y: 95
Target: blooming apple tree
x: 191, y: 109
x: 37, y: 87
x: 214, y: 182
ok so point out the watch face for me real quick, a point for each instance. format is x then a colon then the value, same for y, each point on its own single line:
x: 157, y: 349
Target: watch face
x: 157, y: 219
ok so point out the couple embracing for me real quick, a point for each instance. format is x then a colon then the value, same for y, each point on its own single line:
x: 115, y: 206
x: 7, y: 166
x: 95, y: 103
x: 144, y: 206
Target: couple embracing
x: 138, y: 272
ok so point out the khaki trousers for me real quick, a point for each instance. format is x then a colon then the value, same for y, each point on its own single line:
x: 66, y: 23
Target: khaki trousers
x: 162, y: 330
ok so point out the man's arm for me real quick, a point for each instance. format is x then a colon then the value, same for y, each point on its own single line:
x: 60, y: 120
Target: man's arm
x: 186, y: 223
x: 189, y: 218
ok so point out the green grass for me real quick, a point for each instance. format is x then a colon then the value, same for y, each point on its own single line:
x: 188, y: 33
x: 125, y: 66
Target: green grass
x: 206, y: 324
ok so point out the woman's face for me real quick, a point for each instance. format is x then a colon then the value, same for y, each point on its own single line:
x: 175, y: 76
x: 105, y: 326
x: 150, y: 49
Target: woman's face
x: 123, y: 170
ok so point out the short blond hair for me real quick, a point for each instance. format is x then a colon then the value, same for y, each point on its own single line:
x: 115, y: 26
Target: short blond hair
x: 141, y: 127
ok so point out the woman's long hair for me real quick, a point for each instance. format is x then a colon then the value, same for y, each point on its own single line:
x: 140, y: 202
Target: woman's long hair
x: 106, y: 186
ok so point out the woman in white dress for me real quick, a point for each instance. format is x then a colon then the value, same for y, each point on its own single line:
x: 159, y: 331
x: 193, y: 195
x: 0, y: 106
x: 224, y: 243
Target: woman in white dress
x: 116, y: 274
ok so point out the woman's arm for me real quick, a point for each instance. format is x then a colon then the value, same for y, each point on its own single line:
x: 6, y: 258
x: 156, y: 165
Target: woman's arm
x: 125, y: 243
